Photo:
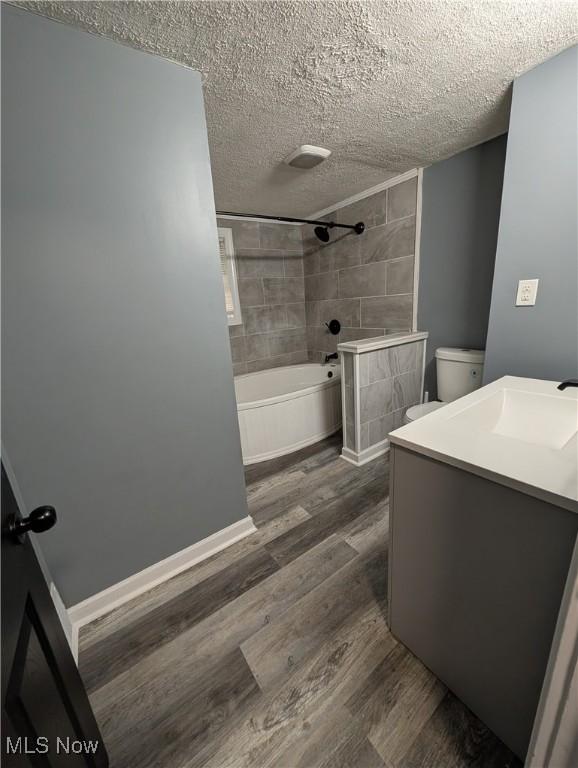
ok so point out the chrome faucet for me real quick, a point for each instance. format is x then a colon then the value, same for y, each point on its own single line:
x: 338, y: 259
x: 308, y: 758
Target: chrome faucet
x: 568, y: 383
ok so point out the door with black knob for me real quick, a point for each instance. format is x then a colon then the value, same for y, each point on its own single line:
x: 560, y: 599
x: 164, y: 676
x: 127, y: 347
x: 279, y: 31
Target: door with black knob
x: 46, y: 715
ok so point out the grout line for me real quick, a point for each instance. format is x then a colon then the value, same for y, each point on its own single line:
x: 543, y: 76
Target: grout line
x: 358, y: 266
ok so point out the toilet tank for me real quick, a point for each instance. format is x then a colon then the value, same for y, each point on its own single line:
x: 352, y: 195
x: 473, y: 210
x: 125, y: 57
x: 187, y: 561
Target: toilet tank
x: 459, y: 371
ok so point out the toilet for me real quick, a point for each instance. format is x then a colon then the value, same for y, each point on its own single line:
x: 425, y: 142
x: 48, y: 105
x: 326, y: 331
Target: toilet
x: 459, y: 372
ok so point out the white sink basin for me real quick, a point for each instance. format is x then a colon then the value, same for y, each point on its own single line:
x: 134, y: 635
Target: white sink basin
x: 531, y: 417
x: 519, y: 432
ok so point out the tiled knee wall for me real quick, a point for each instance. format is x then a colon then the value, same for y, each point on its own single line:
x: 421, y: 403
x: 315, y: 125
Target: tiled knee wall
x: 379, y: 386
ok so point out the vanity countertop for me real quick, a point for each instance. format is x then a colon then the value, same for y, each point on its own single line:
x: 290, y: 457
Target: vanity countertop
x: 522, y: 433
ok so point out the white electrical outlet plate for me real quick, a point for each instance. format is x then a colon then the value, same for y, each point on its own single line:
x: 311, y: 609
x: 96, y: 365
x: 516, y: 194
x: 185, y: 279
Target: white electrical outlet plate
x: 527, y: 290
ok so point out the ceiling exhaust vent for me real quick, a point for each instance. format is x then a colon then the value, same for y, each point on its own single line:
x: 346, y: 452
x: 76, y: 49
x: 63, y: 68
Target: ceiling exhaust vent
x: 307, y: 156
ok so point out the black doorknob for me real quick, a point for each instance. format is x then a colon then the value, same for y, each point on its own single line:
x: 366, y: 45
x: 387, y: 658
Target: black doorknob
x: 39, y: 520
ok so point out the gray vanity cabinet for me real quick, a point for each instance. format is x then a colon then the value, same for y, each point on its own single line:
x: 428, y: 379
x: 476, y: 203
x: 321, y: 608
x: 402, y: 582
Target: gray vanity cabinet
x: 476, y: 575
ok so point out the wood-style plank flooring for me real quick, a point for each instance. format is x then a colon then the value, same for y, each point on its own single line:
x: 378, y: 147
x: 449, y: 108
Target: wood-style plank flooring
x: 276, y: 652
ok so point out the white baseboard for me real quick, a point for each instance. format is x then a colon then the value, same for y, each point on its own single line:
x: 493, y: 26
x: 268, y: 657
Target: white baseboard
x: 112, y: 597
x: 365, y: 456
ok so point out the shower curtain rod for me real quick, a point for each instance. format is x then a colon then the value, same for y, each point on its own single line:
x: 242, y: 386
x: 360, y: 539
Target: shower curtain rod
x: 358, y: 228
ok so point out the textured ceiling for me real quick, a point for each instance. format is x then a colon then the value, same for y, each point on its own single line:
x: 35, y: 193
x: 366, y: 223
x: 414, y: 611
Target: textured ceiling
x: 387, y: 86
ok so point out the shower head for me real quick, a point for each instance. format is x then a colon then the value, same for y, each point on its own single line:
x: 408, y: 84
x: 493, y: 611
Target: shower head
x: 322, y: 233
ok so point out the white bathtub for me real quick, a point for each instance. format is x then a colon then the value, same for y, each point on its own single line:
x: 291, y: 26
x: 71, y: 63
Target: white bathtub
x: 283, y: 409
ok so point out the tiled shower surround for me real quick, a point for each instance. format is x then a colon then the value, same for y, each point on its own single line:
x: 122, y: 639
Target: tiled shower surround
x: 364, y: 281
x: 380, y: 384
x: 269, y: 260
x: 291, y: 284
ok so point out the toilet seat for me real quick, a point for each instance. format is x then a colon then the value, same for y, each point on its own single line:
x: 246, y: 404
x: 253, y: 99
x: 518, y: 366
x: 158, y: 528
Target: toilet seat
x: 417, y: 411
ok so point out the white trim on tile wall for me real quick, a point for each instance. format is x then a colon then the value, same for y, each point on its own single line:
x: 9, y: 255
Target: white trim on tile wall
x: 365, y: 456
x: 366, y: 193
x: 112, y: 597
x: 343, y: 411
x: 418, y: 208
x: 356, y: 394
x: 423, y: 359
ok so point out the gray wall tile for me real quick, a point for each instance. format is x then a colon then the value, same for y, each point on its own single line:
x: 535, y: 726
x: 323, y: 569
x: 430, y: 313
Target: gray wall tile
x: 374, y: 245
x: 263, y: 319
x: 379, y: 429
x: 268, y: 252
x: 238, y: 349
x: 245, y: 233
x: 399, y: 278
x: 287, y: 341
x: 347, y: 311
x: 331, y: 276
x: 257, y: 346
x: 319, y: 338
x: 381, y: 364
x: 283, y: 290
x: 367, y: 280
x: 251, y: 292
x: 259, y: 264
x: 293, y: 264
x: 391, y: 241
x: 409, y: 357
x: 272, y: 295
x: 326, y: 257
x: 406, y: 390
x: 384, y: 363
x: 293, y: 358
x: 376, y: 399
x: 394, y: 312
x: 356, y: 334
x: 370, y: 210
x: 401, y: 200
x: 312, y: 311
x: 296, y: 315
x: 346, y: 250
x: 310, y: 262
x: 283, y: 237
x: 323, y: 286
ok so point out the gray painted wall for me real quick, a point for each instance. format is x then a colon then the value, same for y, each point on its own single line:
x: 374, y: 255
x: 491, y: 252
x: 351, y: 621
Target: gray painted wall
x: 118, y: 403
x: 538, y: 235
x: 459, y: 231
